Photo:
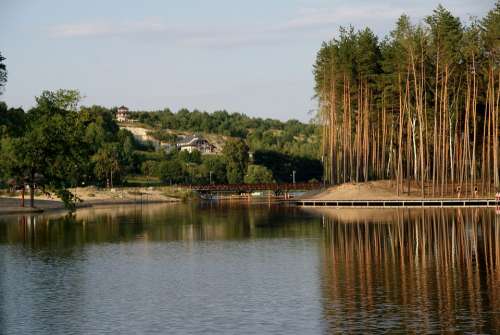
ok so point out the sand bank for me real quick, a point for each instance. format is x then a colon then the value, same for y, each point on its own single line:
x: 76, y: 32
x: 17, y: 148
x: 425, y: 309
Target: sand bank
x: 372, y: 190
x: 89, y: 197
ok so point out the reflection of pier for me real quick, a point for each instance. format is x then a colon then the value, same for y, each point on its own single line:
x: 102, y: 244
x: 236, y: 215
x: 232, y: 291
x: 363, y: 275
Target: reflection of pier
x: 401, y: 203
x: 497, y: 198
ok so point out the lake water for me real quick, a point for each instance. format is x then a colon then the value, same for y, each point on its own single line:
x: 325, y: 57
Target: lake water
x: 253, y: 269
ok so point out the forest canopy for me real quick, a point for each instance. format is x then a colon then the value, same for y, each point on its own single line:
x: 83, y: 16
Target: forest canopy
x: 418, y: 106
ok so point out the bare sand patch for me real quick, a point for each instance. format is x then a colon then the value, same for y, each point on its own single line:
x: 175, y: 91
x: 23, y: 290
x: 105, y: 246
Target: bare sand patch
x: 372, y: 190
x: 89, y: 197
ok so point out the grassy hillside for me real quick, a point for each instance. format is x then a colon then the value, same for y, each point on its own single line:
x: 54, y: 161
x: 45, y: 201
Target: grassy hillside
x: 291, y: 137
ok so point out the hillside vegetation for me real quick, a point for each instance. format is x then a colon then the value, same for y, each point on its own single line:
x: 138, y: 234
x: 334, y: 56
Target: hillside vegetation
x: 279, y: 147
x: 291, y: 137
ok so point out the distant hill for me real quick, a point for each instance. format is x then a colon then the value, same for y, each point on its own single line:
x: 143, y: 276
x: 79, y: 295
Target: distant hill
x: 291, y: 137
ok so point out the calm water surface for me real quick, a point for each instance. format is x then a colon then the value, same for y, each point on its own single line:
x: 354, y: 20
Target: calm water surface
x: 250, y: 270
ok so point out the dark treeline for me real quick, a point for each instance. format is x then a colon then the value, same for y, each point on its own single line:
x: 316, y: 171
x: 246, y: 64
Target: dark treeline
x: 420, y: 105
x: 283, y: 166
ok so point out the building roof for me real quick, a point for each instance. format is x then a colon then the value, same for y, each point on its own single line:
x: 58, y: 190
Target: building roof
x: 122, y: 107
x: 193, y: 141
x: 189, y: 140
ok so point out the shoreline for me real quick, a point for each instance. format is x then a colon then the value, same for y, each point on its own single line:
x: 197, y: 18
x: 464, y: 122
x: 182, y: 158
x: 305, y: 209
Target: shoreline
x: 379, y: 194
x: 385, y: 190
x: 89, y: 197
x: 382, y: 194
x: 44, y: 206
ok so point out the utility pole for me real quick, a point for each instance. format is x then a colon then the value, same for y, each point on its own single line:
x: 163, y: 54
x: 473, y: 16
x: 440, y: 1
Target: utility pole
x: 293, y: 176
x: 210, y: 177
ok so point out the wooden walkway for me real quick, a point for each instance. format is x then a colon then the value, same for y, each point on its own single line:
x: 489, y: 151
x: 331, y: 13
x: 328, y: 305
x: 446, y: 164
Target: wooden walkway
x: 401, y: 203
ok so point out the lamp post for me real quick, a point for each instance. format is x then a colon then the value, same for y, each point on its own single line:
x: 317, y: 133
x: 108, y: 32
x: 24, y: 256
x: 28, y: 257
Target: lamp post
x: 76, y: 182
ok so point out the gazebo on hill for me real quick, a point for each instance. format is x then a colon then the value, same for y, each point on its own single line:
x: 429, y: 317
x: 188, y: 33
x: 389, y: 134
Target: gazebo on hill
x: 122, y: 114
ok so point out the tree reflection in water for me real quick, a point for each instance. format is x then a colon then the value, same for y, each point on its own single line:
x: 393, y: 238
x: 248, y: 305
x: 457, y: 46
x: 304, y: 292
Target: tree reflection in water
x: 417, y: 271
x: 155, y: 223
x: 412, y: 270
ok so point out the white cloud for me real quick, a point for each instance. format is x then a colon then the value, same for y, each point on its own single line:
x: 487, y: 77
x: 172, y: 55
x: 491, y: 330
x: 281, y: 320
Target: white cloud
x: 310, y: 18
x: 306, y: 21
x: 106, y: 29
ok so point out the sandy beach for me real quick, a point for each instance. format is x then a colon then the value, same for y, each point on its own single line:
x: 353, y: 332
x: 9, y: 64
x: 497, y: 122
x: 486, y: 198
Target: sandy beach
x: 89, y: 197
x: 372, y: 190
x: 384, y: 190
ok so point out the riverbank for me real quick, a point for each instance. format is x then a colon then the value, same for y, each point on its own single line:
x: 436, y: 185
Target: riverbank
x: 92, y: 197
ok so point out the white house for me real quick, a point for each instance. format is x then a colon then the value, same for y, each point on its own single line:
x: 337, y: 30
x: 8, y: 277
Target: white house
x: 191, y: 143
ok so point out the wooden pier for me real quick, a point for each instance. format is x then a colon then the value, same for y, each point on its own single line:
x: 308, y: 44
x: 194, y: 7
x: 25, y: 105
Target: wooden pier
x: 401, y: 203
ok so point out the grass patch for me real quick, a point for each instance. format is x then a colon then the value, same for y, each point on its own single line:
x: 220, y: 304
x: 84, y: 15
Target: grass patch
x: 178, y: 192
x: 143, y: 181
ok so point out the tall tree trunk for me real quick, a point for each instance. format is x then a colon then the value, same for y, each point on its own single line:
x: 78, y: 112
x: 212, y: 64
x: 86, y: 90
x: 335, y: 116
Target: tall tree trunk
x: 32, y: 195
x: 400, y: 141
x: 22, y: 195
x: 495, y: 122
x: 474, y: 126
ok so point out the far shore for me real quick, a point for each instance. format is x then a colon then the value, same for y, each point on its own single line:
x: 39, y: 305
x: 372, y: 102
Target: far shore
x: 93, y: 197
x: 90, y: 197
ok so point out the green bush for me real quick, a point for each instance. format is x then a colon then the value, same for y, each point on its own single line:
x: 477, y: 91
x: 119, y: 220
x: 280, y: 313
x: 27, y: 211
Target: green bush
x: 257, y: 174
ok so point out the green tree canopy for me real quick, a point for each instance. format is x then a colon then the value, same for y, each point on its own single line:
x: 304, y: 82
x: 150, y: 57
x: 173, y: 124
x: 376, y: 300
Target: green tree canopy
x: 217, y: 166
x: 190, y: 157
x: 62, y: 99
x: 107, y: 162
x: 12, y: 121
x: 235, y: 153
x: 257, y: 174
x: 148, y: 168
x: 171, y: 171
x: 49, y: 153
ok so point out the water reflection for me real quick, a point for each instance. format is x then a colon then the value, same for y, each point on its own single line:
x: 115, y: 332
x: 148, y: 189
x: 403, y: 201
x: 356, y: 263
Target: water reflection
x: 173, y: 222
x: 250, y: 269
x: 416, y: 271
x: 161, y: 269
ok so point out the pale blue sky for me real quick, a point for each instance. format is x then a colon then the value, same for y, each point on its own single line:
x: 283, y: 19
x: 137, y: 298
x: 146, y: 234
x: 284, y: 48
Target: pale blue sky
x: 253, y: 57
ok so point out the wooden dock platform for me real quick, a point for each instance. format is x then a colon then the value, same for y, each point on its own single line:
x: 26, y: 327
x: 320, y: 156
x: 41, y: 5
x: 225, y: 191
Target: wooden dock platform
x: 400, y: 203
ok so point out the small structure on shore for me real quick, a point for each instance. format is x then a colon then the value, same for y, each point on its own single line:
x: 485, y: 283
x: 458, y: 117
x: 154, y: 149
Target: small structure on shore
x: 122, y: 114
x: 191, y: 143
